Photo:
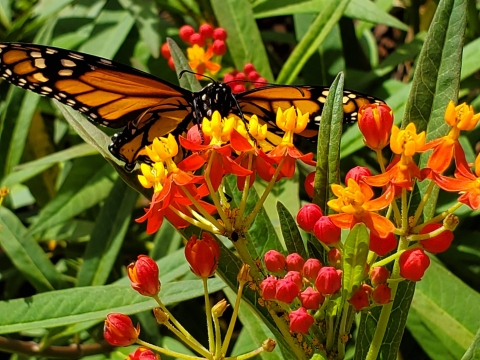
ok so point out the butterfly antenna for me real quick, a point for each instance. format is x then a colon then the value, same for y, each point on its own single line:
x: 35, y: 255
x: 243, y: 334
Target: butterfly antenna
x: 269, y: 85
x: 196, y: 74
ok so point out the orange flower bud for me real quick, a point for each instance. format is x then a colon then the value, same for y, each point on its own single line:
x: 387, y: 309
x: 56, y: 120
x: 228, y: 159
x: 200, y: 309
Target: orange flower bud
x: 144, y: 276
x: 202, y: 255
x: 300, y: 320
x: 375, y: 122
x: 118, y: 330
x: 379, y: 275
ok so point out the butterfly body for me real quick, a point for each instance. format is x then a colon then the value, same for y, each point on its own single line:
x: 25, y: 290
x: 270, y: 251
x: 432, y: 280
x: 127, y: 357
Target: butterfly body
x: 116, y: 96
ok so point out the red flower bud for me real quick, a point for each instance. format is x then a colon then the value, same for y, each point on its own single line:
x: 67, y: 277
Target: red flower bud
x: 228, y: 77
x: 311, y: 269
x: 219, y: 34
x: 143, y: 275
x: 269, y: 288
x: 382, y: 246
x: 274, y: 261
x: 357, y: 173
x: 379, y: 275
x: 326, y: 231
x: 171, y: 64
x: 375, y: 122
x: 335, y: 258
x: 286, y: 290
x: 143, y: 354
x: 240, y: 76
x: 300, y: 321
x: 439, y: 243
x: 248, y: 67
x: 196, y: 39
x: 185, y: 32
x: 238, y: 88
x: 202, y: 255
x: 165, y: 50
x: 296, y: 277
x: 206, y: 30
x: 260, y: 82
x: 219, y: 47
x: 382, y: 294
x: 309, y: 184
x: 118, y: 330
x: 253, y: 75
x: 294, y: 262
x: 311, y: 299
x: 413, y: 264
x: 359, y: 299
x: 328, y: 281
x: 308, y: 215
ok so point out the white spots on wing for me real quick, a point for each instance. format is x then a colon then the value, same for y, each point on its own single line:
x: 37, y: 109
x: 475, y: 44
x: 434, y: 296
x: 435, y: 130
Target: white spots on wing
x: 204, y: 97
x: 57, y: 97
x: 40, y: 63
x: 325, y: 92
x: 36, y: 54
x: 65, y: 72
x: 70, y: 102
x: 322, y: 99
x: 75, y: 56
x: 345, y: 99
x: 46, y: 88
x: 68, y: 63
x: 352, y: 96
x: 22, y: 82
x: 93, y: 115
x: 105, y: 61
x: 51, y: 51
x: 83, y: 109
x: 317, y: 118
x: 8, y: 72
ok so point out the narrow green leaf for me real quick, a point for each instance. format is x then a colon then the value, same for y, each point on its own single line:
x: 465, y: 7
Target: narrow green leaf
x: 107, y: 236
x: 88, y: 183
x: 244, y: 41
x: 470, y: 63
x: 291, y: 234
x: 145, y: 13
x: 328, y: 152
x: 65, y: 307
x: 355, y: 258
x: 329, y: 15
x: 473, y: 351
x: 187, y: 80
x: 5, y: 13
x: 25, y: 253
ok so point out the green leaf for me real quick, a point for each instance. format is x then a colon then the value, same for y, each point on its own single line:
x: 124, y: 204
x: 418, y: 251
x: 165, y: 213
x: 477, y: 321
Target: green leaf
x: 328, y: 152
x: 329, y: 15
x: 354, y: 258
x: 88, y: 183
x: 65, y: 307
x: 470, y: 63
x: 473, y: 351
x: 145, y: 13
x: 187, y: 81
x: 291, y: 234
x: 25, y: 253
x: 107, y: 236
x: 244, y: 41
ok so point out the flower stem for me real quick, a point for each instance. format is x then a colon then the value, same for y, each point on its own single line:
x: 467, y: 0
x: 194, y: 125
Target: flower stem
x: 194, y: 222
x: 439, y: 217
x: 243, y: 202
x: 171, y: 353
x: 233, y: 320
x: 208, y: 310
x: 420, y: 207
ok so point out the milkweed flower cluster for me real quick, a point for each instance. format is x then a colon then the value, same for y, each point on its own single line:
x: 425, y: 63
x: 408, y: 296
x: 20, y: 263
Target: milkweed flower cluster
x: 244, y: 80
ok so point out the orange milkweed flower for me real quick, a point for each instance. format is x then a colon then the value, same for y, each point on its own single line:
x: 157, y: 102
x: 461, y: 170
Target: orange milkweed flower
x: 446, y: 148
x: 199, y: 60
x: 375, y: 122
x: 202, y: 255
x: 354, y: 204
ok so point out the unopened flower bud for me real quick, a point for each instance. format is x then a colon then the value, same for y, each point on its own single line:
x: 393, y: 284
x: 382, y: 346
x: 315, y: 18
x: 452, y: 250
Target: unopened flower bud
x: 300, y: 321
x: 311, y: 299
x: 274, y: 261
x: 359, y: 299
x: 296, y: 277
x: 379, y: 275
x: 311, y: 269
x: 219, y: 308
x: 248, y: 68
x: 269, y: 288
x: 436, y: 244
x: 202, y: 255
x: 286, y: 290
x: 143, y: 275
x: 382, y: 294
x: 335, y: 258
x: 206, y: 30
x: 451, y: 221
x: 382, y: 246
x: 244, y: 274
x: 328, y: 281
x: 219, y: 47
x: 375, y: 122
x: 160, y: 315
x: 326, y: 231
x: 118, y: 330
x: 294, y: 262
x: 310, y: 184
x: 219, y: 34
x: 196, y: 39
x: 357, y: 173
x: 308, y: 215
x: 269, y: 345
x: 185, y: 32
x: 165, y: 50
x: 143, y: 354
x: 413, y: 264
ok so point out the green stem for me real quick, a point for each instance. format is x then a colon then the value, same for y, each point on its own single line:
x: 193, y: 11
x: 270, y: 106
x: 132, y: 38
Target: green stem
x: 208, y: 310
x: 218, y: 339
x: 243, y: 202
x: 420, y: 207
x: 233, y: 320
x: 194, y: 222
x: 438, y: 218
x: 247, y: 355
x: 330, y: 332
x: 342, y: 331
x: 200, y: 209
x: 171, y: 353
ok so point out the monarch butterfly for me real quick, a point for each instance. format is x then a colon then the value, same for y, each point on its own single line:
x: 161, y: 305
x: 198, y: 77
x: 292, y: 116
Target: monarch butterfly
x: 115, y: 95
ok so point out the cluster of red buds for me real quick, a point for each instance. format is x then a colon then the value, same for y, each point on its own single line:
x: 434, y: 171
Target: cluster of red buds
x: 296, y: 281
x: 212, y: 38
x: 241, y: 81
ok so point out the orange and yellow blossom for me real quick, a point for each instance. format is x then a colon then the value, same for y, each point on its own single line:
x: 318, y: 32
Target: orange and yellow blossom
x: 199, y: 60
x: 405, y: 143
x: 459, y: 117
x: 354, y: 204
